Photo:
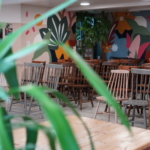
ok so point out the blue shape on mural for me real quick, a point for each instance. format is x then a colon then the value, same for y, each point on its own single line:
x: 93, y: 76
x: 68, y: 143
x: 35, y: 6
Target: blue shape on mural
x: 121, y: 51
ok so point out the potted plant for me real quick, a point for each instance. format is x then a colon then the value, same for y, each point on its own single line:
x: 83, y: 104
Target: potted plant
x: 92, y: 28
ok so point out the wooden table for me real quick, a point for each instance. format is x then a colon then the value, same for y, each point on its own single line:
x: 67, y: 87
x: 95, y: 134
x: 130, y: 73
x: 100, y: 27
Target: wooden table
x: 105, y: 135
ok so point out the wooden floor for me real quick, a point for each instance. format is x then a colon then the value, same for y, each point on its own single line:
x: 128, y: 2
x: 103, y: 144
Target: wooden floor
x: 87, y: 111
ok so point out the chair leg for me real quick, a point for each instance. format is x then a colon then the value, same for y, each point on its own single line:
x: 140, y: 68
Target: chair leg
x: 116, y: 117
x: 145, y: 118
x: 25, y: 103
x: 106, y: 107
x: 80, y: 105
x: 109, y: 114
x: 125, y: 109
x: 129, y: 110
x: 97, y: 107
x: 133, y: 115
x: 11, y: 101
x: 30, y: 106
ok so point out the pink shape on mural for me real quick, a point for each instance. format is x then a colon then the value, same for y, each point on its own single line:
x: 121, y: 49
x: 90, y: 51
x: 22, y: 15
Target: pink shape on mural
x: 128, y: 41
x: 134, y: 47
x: 142, y: 49
x: 27, y: 32
x: 148, y: 17
x: 33, y: 29
x: 26, y: 13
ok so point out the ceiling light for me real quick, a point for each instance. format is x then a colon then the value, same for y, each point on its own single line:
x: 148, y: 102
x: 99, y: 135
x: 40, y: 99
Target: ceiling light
x: 84, y: 4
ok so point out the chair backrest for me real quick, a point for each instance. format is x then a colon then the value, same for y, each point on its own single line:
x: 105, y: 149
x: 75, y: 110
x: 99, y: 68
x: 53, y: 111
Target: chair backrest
x: 114, y: 60
x: 62, y: 60
x: 122, y: 67
x: 3, y: 82
x: 31, y: 73
x: 51, y: 75
x: 42, y: 72
x: 140, y: 87
x: 68, y: 73
x: 118, y: 83
x: 87, y: 58
x: 146, y: 65
x: 106, y: 68
x: 129, y: 62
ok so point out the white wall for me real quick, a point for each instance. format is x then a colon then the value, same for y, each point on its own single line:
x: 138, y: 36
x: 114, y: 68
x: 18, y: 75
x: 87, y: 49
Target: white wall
x: 10, y: 13
x: 32, y: 11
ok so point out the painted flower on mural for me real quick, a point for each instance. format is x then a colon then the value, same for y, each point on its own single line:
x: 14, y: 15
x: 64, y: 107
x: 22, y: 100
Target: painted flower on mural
x: 122, y: 23
x: 114, y: 47
x: 58, y: 30
x: 106, y: 47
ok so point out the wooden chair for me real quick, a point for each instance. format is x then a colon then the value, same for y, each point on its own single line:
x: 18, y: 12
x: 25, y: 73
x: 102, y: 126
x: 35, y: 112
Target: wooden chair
x: 114, y: 60
x: 42, y: 72
x: 87, y: 58
x: 140, y: 92
x: 118, y: 85
x: 67, y: 76
x: 122, y: 67
x: 79, y: 87
x: 94, y: 61
x: 105, y: 70
x: 128, y: 62
x: 145, y: 65
x: 61, y: 60
x: 31, y: 75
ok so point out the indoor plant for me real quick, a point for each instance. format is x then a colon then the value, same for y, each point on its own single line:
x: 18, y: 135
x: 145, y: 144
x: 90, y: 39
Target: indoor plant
x: 92, y: 28
x: 52, y: 111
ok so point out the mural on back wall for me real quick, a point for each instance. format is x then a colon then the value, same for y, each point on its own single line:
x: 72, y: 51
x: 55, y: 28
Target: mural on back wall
x: 129, y: 35
x: 60, y: 28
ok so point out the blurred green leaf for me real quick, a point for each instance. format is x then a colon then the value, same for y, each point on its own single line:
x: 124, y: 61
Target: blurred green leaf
x: 30, y: 123
x: 54, y: 115
x: 97, y: 83
x: 3, y: 94
x: 25, y: 51
x: 11, y: 75
x: 5, y: 142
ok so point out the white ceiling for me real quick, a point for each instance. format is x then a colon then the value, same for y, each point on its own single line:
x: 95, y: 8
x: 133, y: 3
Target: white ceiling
x: 108, y: 5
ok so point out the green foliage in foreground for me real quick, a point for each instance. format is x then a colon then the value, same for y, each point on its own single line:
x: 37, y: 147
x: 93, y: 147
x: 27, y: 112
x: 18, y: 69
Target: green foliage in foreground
x: 52, y: 111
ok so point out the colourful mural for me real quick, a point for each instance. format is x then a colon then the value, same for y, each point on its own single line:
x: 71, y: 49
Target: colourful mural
x: 60, y: 28
x: 129, y: 35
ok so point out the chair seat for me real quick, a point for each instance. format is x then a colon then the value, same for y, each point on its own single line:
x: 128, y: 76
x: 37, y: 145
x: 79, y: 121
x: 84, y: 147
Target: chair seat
x: 102, y: 98
x: 136, y: 102
x: 79, y: 85
x: 64, y: 83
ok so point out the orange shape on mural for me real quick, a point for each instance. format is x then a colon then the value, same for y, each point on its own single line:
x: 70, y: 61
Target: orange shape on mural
x: 122, y: 23
x: 106, y: 47
x: 59, y: 52
x: 39, y: 23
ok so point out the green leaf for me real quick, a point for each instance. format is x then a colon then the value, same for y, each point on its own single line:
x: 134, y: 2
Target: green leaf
x: 8, y: 40
x: 62, y: 97
x: 4, y: 68
x: 31, y: 133
x: 5, y: 137
x: 97, y: 83
x: 3, y: 94
x: 25, y: 51
x: 30, y: 123
x: 54, y: 115
x: 11, y: 75
x: 2, y: 25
